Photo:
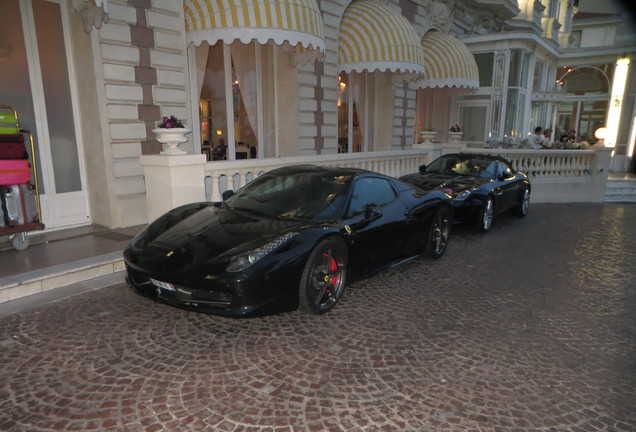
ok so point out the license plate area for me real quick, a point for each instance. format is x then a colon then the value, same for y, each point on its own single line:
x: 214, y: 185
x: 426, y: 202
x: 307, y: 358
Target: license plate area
x: 163, y: 285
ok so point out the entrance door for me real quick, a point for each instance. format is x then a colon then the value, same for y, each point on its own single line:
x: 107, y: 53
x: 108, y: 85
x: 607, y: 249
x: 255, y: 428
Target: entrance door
x: 37, y: 78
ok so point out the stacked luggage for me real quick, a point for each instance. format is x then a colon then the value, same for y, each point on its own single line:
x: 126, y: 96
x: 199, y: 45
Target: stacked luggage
x: 20, y: 205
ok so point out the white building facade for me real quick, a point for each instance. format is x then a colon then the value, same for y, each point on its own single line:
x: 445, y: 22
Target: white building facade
x: 256, y: 80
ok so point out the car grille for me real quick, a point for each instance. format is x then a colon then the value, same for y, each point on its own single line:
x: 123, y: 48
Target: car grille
x: 184, y: 295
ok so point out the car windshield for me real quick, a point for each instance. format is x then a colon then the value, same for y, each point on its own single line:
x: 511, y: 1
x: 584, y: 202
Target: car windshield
x: 300, y: 195
x: 475, y: 167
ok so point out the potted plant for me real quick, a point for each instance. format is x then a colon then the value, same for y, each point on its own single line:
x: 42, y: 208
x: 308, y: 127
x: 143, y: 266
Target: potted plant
x: 455, y: 134
x: 427, y: 135
x: 172, y: 132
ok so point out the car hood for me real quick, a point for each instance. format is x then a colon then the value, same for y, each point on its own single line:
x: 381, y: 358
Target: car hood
x: 207, y: 237
x: 454, y: 182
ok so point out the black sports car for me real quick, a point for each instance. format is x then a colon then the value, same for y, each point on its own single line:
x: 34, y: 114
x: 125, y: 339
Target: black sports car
x: 482, y: 186
x: 292, y: 237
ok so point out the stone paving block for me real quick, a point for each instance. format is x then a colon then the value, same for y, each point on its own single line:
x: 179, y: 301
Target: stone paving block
x: 527, y: 328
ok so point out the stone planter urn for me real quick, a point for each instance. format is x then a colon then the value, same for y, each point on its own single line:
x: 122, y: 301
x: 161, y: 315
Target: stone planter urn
x: 427, y: 137
x: 455, y: 137
x: 172, y: 137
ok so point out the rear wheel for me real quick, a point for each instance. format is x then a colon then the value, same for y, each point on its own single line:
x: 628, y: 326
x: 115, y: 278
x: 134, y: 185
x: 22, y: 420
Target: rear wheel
x: 524, y: 205
x: 324, y: 277
x: 439, y: 234
x: 486, y: 215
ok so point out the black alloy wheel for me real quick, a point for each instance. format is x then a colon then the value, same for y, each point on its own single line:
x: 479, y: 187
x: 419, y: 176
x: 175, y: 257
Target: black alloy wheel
x: 524, y: 205
x: 439, y: 233
x: 486, y: 215
x: 324, y: 277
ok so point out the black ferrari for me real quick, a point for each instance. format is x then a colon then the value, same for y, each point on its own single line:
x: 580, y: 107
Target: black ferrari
x: 481, y: 185
x: 292, y: 237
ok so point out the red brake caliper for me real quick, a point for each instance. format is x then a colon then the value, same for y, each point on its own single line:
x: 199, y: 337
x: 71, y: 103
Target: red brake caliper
x: 333, y: 266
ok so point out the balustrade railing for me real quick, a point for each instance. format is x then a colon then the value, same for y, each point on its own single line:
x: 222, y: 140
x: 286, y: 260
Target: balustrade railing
x: 555, y: 175
x: 223, y: 175
x: 547, y: 164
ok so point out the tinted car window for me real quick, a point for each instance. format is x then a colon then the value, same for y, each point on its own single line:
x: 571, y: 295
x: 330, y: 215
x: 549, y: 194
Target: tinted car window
x: 374, y: 192
x: 476, y: 167
x: 303, y: 195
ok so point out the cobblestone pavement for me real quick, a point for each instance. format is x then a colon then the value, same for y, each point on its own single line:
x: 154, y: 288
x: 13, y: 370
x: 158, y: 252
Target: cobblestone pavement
x: 531, y: 327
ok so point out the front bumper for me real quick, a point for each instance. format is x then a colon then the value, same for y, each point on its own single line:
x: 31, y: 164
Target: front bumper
x: 467, y: 211
x: 227, y: 297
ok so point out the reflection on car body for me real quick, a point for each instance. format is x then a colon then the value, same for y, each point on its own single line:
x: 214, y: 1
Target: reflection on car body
x: 481, y: 185
x: 292, y: 237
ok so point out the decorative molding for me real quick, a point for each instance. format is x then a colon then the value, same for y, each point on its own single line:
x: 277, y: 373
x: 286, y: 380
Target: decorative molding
x: 93, y: 14
x: 441, y: 16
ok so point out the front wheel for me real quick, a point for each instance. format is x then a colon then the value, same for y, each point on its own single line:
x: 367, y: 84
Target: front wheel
x: 524, y: 205
x: 439, y: 234
x: 486, y: 215
x: 20, y: 241
x: 324, y: 277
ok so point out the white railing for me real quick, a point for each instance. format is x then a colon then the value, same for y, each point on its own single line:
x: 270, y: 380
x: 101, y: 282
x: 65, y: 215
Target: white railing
x: 556, y: 176
x: 544, y: 164
x: 561, y: 175
x: 223, y: 175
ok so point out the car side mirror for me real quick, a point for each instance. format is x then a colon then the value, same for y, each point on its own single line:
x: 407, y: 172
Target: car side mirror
x: 422, y: 168
x: 507, y: 175
x: 227, y: 194
x: 370, y: 214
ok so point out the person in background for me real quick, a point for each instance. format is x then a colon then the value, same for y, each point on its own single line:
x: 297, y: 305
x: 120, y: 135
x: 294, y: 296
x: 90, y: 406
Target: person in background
x: 569, y: 138
x: 547, y: 139
x: 538, y: 139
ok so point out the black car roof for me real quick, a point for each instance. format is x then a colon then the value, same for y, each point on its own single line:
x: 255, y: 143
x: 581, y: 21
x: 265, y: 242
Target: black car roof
x: 476, y: 156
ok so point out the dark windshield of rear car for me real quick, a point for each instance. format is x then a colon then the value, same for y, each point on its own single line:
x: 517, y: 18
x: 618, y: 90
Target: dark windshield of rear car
x: 302, y: 195
x: 475, y: 167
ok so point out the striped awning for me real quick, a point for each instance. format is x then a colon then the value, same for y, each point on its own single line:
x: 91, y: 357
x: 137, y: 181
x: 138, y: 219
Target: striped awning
x: 375, y: 37
x: 447, y: 63
x: 296, y: 23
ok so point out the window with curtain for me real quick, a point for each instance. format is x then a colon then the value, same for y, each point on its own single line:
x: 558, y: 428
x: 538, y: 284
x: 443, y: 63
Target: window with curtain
x: 362, y: 124
x: 238, y: 99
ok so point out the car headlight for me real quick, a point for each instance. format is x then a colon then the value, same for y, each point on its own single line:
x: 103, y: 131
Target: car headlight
x: 463, y: 195
x: 246, y: 259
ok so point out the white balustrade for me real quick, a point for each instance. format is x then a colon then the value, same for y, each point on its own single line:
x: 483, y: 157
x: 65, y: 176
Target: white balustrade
x: 226, y: 175
x: 555, y: 175
x: 561, y: 175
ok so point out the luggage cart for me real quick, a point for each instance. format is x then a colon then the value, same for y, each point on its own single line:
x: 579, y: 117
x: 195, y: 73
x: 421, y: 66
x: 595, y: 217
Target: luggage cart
x: 20, y: 211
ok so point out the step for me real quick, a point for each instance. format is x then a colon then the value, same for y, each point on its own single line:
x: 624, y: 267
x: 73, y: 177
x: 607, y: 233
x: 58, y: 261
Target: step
x: 619, y: 199
x: 620, y: 191
x: 47, y: 279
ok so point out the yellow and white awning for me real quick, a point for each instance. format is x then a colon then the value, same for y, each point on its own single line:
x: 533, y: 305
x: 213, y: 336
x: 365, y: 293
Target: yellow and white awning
x: 294, y: 22
x: 375, y: 37
x: 447, y: 63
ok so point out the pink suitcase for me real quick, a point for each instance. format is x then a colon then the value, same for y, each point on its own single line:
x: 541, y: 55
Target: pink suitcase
x: 14, y: 171
x: 12, y: 147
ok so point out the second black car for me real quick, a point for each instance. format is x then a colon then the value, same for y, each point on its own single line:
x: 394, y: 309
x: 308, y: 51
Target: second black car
x: 481, y: 185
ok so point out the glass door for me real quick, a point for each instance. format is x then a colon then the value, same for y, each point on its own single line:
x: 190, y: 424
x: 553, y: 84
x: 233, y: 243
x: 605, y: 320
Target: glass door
x: 36, y: 33
x: 475, y: 118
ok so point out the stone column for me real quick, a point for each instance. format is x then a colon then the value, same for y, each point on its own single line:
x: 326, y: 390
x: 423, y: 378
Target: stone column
x: 172, y: 181
x: 600, y: 171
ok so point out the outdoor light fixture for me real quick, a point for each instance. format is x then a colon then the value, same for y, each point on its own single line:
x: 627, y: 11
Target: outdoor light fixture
x: 614, y: 111
x: 632, y: 138
x: 600, y: 133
